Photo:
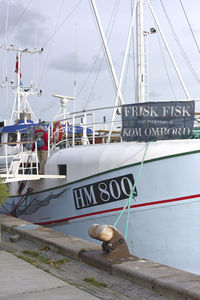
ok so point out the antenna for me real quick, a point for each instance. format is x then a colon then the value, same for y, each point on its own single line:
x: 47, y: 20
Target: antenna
x: 21, y: 106
x: 63, y: 103
x: 75, y: 65
x: 6, y: 62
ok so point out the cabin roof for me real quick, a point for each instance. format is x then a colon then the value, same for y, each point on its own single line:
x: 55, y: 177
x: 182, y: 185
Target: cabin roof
x: 16, y: 127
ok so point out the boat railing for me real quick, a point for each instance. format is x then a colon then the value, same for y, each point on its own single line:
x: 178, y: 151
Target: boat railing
x: 83, y: 128
x: 21, y: 162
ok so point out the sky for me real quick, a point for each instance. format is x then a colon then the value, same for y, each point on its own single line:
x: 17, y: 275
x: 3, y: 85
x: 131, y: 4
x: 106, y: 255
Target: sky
x: 67, y: 31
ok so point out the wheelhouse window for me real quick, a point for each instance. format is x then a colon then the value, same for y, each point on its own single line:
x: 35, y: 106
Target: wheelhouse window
x: 62, y: 169
x: 12, y: 138
x: 24, y: 136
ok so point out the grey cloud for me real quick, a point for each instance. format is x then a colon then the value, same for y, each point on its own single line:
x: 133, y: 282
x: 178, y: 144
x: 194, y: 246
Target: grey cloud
x: 66, y: 64
x: 22, y: 27
x: 154, y: 94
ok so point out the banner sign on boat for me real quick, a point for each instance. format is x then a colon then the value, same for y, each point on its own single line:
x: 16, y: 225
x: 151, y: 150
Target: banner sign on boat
x: 157, y: 120
x: 104, y: 191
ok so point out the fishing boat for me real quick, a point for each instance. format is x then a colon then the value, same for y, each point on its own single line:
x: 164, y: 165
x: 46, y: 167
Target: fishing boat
x: 109, y: 172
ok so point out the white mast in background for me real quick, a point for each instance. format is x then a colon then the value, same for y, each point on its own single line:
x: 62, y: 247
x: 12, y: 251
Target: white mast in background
x: 21, y: 105
x: 141, y: 54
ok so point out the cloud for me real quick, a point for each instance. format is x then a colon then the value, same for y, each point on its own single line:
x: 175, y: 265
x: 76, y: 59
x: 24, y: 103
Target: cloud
x: 23, y: 23
x: 154, y: 94
x: 66, y: 63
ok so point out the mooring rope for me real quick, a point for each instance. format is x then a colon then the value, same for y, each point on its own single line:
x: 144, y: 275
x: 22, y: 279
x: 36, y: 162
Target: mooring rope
x: 131, y: 195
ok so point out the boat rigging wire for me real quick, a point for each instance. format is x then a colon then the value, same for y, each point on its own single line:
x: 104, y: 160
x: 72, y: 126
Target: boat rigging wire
x: 109, y: 28
x: 6, y: 60
x: 165, y: 66
x: 20, y: 17
x: 129, y: 58
x: 179, y: 44
x: 51, y: 40
x: 56, y: 29
x: 65, y: 19
x: 195, y: 40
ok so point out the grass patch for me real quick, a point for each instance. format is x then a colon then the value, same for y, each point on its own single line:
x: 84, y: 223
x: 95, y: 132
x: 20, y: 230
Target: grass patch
x: 54, y: 263
x: 44, y: 248
x: 81, y: 251
x: 35, y: 263
x: 27, y: 259
x: 95, y: 282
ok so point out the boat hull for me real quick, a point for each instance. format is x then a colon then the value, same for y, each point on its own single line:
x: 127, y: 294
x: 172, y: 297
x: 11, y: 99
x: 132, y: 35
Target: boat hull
x: 164, y: 220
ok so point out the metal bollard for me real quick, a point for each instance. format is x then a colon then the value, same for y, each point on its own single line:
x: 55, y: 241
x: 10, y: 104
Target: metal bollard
x: 114, y: 245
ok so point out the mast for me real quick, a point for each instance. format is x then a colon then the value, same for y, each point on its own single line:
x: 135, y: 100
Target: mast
x: 141, y: 54
x: 6, y: 61
x: 18, y: 71
x: 21, y: 107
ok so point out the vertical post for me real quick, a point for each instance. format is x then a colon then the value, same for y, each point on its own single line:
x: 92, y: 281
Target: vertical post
x: 140, y: 51
x: 22, y: 158
x: 18, y: 139
x: 36, y: 160
x: 66, y: 134
x: 84, y: 129
x: 63, y: 102
x: 73, y: 130
x: 75, y: 65
x: 6, y: 63
x: 50, y: 127
x: 25, y: 107
x: 18, y: 83
x: 93, y: 129
x: 122, y: 71
x: 6, y: 154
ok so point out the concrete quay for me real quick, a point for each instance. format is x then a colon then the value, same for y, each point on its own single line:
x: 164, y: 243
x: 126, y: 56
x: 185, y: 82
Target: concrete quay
x: 164, y: 280
x: 21, y: 280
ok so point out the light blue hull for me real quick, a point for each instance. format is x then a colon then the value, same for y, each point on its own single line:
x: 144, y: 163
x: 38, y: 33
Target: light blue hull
x: 164, y: 221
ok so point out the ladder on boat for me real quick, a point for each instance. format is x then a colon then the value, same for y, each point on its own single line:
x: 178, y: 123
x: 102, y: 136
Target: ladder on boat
x: 22, y: 165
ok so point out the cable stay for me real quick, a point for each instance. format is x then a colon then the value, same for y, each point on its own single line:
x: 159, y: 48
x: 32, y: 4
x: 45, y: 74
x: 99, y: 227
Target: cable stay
x: 65, y: 19
x: 195, y: 40
x: 108, y: 34
x: 179, y: 44
x: 20, y: 17
x: 166, y: 69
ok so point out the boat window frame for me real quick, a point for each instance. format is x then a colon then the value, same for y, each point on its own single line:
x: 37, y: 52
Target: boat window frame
x: 62, y: 169
x: 10, y: 138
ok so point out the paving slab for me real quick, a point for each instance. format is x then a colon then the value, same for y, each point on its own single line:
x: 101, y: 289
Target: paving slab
x: 166, y: 280
x: 18, y: 276
x: 21, y: 280
x: 67, y: 293
x: 75, y: 272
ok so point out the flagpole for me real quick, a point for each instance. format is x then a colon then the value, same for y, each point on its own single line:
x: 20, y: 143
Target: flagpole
x: 21, y: 93
x: 6, y: 61
x: 18, y: 70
